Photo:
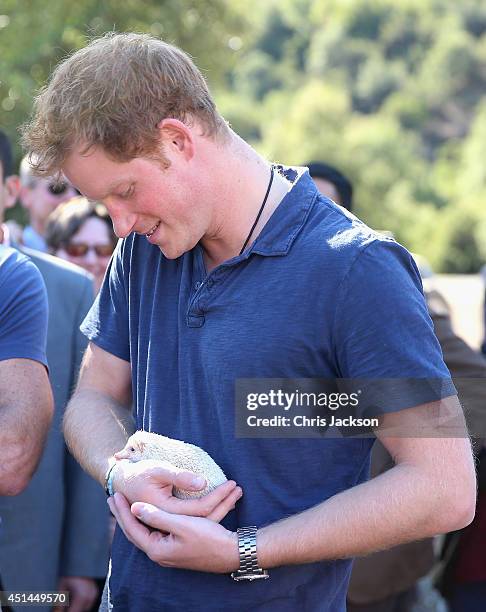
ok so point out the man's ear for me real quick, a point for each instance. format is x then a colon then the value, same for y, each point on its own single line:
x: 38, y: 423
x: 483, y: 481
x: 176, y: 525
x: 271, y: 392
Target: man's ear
x: 25, y: 196
x: 176, y: 138
x: 13, y: 186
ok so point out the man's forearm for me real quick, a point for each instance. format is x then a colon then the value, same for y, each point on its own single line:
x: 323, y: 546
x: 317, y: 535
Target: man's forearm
x: 25, y: 417
x: 399, y: 506
x: 95, y: 427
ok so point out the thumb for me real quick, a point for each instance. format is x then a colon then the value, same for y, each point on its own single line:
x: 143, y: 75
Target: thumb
x: 157, y: 518
x: 182, y: 479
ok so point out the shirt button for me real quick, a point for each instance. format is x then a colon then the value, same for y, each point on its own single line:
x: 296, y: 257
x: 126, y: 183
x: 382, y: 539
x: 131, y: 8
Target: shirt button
x: 210, y: 283
x: 197, y: 285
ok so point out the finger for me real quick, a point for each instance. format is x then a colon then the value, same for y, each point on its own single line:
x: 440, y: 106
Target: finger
x: 201, y: 506
x: 225, y: 506
x: 135, y: 531
x: 182, y: 479
x: 116, y: 514
x: 113, y: 510
x: 159, y: 519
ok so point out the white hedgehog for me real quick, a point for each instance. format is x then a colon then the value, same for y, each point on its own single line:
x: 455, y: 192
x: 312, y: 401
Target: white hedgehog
x: 145, y: 445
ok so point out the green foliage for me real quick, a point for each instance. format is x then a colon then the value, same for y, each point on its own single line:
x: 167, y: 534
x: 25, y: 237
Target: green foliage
x: 35, y: 35
x: 393, y: 93
x: 390, y: 91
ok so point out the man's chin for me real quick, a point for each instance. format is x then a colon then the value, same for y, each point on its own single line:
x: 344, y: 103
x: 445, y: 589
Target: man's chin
x: 170, y: 253
x: 176, y: 250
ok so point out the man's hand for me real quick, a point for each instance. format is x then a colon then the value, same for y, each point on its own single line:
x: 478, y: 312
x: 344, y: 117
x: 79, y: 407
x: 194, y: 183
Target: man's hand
x: 152, y: 481
x: 179, y: 541
x: 82, y: 593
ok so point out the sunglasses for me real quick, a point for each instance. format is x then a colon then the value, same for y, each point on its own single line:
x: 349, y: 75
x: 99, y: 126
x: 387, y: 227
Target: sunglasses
x: 79, y: 249
x: 60, y: 188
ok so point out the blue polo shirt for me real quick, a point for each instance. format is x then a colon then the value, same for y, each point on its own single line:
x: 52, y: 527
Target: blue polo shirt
x: 318, y: 295
x: 23, y: 308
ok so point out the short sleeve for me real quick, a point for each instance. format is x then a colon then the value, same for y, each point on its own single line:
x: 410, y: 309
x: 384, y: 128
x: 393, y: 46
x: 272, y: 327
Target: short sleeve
x: 383, y: 332
x: 106, y: 324
x: 23, y: 309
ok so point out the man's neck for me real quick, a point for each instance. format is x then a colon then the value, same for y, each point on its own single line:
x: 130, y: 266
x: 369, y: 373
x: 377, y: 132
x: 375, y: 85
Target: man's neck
x: 240, y: 182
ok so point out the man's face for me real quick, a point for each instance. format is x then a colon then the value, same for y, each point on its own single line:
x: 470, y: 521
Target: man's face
x: 41, y: 196
x: 143, y: 197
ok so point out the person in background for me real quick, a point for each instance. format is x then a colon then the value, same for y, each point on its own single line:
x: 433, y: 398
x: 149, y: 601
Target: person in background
x: 54, y: 535
x: 39, y: 197
x: 332, y: 183
x: 25, y: 393
x: 9, y: 187
x: 386, y: 581
x: 81, y: 232
x: 26, y: 404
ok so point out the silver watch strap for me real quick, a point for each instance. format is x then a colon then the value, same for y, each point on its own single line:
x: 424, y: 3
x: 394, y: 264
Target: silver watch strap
x: 249, y: 568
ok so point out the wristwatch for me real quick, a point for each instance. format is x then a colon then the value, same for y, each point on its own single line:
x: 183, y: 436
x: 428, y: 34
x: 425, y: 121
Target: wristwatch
x: 249, y: 568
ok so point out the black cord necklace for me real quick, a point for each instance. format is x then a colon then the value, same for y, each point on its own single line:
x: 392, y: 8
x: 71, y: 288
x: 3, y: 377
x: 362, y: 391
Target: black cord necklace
x: 260, y: 211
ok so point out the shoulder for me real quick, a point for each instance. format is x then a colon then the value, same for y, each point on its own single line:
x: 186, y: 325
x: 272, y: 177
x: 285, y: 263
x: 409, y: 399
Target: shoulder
x: 11, y: 259
x: 23, y: 308
x: 17, y: 268
x: 342, y: 245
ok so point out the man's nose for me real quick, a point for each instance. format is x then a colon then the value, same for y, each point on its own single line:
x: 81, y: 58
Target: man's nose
x: 123, y: 220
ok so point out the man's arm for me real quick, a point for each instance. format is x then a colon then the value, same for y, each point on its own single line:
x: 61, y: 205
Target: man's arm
x: 26, y: 404
x: 431, y: 490
x: 98, y: 422
x: 25, y: 414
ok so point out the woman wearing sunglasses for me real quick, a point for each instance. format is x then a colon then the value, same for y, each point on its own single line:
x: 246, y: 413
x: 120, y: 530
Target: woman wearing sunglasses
x: 81, y: 232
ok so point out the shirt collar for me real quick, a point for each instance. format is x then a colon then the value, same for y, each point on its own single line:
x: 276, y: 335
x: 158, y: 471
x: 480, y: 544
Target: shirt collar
x: 283, y: 227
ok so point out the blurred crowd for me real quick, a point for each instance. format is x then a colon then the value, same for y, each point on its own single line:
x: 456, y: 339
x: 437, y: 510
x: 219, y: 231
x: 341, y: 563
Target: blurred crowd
x: 55, y: 534
x: 49, y: 541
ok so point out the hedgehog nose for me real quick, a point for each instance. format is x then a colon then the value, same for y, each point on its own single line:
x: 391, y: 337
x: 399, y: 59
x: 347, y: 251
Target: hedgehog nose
x: 123, y: 454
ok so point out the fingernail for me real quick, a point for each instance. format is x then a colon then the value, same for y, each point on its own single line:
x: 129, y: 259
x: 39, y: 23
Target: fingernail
x: 198, y: 482
x: 139, y: 511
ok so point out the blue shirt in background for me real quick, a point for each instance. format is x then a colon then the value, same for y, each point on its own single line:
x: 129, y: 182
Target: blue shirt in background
x: 23, y: 308
x: 318, y: 295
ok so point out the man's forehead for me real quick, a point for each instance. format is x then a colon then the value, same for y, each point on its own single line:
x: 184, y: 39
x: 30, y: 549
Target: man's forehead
x: 94, y: 173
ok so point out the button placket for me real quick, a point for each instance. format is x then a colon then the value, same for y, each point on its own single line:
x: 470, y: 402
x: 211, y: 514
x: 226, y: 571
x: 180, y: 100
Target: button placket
x: 200, y: 299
